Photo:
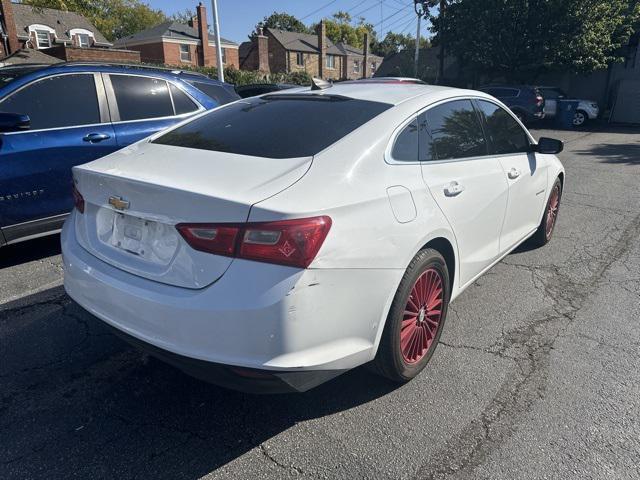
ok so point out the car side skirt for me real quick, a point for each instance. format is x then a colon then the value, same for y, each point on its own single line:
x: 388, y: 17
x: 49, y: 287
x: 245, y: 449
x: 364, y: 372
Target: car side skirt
x: 33, y: 229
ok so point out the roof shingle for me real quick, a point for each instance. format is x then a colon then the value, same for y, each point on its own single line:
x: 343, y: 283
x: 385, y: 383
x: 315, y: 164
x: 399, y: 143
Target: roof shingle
x: 169, y: 29
x: 60, y: 20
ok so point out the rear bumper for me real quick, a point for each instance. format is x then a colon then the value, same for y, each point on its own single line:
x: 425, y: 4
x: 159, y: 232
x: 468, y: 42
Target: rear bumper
x: 257, y: 316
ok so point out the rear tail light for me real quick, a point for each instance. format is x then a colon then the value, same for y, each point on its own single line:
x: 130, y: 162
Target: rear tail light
x: 78, y: 199
x: 287, y: 242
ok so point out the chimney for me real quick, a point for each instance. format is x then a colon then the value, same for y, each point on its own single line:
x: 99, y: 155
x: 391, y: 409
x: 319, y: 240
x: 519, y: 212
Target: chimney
x: 9, y: 26
x: 322, y: 47
x: 365, y: 61
x: 193, y: 22
x: 200, y: 23
x: 262, y: 45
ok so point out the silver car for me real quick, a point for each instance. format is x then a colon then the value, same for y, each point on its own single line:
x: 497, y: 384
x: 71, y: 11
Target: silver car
x: 587, y: 109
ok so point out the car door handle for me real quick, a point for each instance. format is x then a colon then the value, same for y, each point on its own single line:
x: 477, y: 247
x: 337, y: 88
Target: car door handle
x: 96, y: 137
x: 513, y: 173
x: 453, y: 189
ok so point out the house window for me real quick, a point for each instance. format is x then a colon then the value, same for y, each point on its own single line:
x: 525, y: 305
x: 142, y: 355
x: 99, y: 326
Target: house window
x: 224, y: 55
x: 185, y: 53
x: 83, y: 40
x: 43, y: 39
x: 300, y: 59
x: 374, y: 67
x: 331, y: 61
x: 356, y: 66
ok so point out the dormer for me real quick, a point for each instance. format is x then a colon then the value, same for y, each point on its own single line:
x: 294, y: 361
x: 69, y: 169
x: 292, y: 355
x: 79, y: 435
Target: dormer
x: 42, y: 36
x: 81, y: 37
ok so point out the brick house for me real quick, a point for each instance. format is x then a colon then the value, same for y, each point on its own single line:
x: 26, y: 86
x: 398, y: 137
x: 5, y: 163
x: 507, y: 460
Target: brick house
x: 275, y: 51
x: 173, y: 43
x: 61, y: 34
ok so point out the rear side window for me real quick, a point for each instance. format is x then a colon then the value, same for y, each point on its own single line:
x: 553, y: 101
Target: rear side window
x: 181, y: 102
x: 505, y: 135
x: 141, y: 97
x: 54, y: 102
x: 216, y: 92
x: 275, y: 126
x: 455, y: 132
x: 405, y: 149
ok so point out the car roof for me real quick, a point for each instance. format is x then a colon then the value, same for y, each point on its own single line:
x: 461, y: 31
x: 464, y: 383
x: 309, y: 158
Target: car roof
x: 394, y: 94
x: 112, y: 68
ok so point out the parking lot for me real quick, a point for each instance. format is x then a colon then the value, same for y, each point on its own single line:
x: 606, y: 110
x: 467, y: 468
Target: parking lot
x: 537, y: 374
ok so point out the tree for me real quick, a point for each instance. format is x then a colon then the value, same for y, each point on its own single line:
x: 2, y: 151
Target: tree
x: 114, y: 18
x: 283, y: 21
x: 520, y: 39
x: 396, y: 42
x: 183, y: 16
x: 340, y: 29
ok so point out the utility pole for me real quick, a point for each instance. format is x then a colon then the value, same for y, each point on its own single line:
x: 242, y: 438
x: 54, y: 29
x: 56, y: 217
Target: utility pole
x: 216, y: 26
x: 422, y: 8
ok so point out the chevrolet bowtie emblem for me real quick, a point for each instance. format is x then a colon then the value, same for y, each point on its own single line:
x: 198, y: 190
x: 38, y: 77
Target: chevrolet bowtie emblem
x: 118, y: 203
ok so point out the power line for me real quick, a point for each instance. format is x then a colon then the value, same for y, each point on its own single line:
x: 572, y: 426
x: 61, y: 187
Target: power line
x: 356, y: 6
x: 400, y: 20
x: 321, y: 8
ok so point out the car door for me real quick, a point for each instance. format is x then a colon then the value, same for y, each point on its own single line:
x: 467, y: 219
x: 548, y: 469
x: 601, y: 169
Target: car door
x: 143, y: 105
x: 69, y: 126
x: 527, y: 178
x: 468, y: 185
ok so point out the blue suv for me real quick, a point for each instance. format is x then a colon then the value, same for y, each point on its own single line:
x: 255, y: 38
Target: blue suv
x: 55, y: 117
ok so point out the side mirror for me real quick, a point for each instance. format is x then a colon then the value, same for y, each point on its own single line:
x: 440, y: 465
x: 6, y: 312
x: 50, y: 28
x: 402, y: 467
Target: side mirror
x: 549, y: 146
x: 14, y: 122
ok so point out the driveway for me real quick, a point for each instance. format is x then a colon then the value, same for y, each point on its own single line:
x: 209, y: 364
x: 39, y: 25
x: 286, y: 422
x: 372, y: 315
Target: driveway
x: 537, y: 374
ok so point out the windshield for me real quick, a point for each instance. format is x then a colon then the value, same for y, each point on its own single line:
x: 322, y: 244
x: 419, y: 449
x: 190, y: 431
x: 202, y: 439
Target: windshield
x: 276, y: 126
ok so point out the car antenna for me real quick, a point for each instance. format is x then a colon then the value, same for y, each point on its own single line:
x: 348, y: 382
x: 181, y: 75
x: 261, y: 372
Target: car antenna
x: 319, y: 84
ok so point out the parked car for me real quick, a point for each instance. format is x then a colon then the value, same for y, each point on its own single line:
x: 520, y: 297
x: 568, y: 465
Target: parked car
x: 55, y: 117
x: 416, y: 81
x: 587, y: 109
x: 525, y: 101
x: 255, y: 89
x: 275, y: 255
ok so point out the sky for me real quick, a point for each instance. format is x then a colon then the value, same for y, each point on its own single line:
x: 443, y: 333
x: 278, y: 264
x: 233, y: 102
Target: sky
x: 239, y: 17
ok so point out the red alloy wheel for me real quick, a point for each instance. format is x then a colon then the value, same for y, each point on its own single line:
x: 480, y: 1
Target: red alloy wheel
x: 552, y: 212
x: 422, y: 316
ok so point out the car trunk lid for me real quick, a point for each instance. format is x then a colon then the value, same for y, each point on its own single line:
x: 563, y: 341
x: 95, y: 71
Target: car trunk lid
x: 135, y: 197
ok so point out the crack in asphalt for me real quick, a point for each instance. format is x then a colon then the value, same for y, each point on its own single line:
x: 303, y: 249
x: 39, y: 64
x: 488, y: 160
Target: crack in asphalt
x: 265, y: 453
x: 531, y: 347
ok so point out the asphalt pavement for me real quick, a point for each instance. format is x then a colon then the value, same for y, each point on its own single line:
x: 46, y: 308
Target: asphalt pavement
x: 537, y: 374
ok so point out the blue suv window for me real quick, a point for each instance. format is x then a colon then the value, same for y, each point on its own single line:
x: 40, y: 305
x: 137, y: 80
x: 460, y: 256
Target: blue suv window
x: 181, y: 102
x: 141, y: 97
x: 54, y: 102
x: 216, y: 92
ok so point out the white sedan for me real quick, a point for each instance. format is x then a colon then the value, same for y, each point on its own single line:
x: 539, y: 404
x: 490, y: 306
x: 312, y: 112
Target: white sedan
x: 278, y: 241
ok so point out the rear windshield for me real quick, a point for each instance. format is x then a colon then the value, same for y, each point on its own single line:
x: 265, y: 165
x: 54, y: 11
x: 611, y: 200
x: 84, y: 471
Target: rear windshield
x: 276, y: 126
x: 218, y: 93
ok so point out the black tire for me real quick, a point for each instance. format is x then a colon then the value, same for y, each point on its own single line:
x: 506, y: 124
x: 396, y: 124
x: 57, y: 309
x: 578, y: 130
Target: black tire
x: 580, y: 118
x: 543, y: 234
x: 390, y: 361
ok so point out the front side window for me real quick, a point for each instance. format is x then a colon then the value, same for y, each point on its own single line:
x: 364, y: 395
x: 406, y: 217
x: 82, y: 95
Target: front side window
x: 43, y: 38
x: 453, y: 130
x: 276, y: 126
x: 405, y: 148
x: 55, y: 102
x: 505, y: 135
x: 83, y: 40
x: 185, y: 53
x: 300, y: 59
x: 141, y: 97
x: 331, y: 61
